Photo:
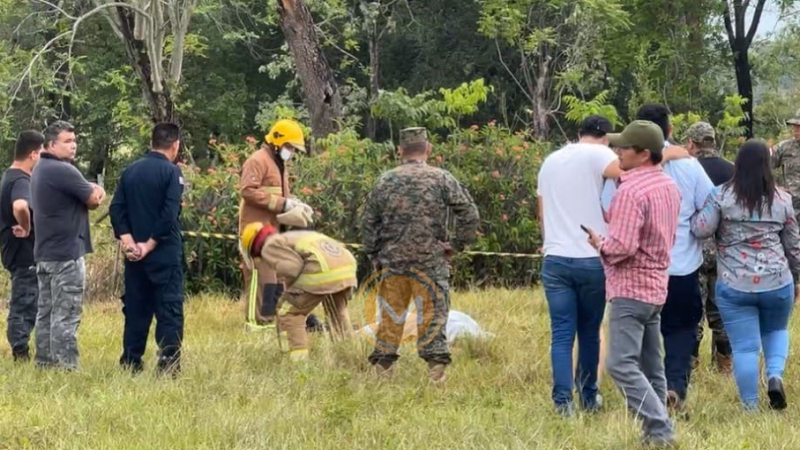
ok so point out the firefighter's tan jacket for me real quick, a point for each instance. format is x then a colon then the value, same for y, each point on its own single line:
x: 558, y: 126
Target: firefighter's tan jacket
x: 263, y: 188
x: 310, y: 262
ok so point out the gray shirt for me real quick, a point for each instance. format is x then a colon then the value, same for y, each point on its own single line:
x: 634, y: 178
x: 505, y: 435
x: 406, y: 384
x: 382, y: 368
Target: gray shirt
x: 755, y: 253
x: 59, y: 193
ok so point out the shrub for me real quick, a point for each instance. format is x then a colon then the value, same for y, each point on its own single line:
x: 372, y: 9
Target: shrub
x: 498, y: 168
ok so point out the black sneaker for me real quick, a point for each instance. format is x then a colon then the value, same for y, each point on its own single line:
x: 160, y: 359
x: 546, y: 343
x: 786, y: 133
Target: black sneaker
x: 777, y: 396
x: 21, y: 356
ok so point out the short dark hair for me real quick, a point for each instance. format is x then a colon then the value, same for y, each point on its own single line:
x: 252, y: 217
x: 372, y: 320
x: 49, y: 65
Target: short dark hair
x: 164, y: 135
x: 595, y: 126
x: 655, y: 156
x: 658, y: 114
x: 27, y: 143
x: 52, y: 131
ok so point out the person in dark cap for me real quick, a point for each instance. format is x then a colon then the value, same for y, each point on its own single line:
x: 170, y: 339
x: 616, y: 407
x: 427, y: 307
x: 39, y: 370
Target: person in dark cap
x: 700, y: 141
x: 405, y: 237
x: 570, y: 184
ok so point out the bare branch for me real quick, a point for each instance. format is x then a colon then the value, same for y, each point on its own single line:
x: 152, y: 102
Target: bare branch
x: 502, y: 61
x: 180, y: 26
x: 726, y: 16
x: 57, y: 8
x: 48, y: 46
x: 756, y: 20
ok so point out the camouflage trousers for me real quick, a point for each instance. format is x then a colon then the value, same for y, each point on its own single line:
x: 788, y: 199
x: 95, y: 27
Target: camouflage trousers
x: 719, y: 338
x: 431, y: 298
x: 22, y: 309
x: 61, y: 287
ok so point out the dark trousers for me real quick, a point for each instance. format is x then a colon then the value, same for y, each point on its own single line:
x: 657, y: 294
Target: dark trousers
x: 152, y: 290
x: 679, y: 320
x: 22, y: 309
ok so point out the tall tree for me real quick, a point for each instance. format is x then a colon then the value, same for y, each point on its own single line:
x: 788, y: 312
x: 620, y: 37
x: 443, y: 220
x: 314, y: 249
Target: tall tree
x: 556, y: 45
x: 142, y: 26
x: 320, y: 90
x: 740, y: 38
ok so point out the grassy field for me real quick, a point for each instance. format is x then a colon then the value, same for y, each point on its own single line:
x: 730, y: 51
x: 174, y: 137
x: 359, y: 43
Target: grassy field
x: 239, y: 392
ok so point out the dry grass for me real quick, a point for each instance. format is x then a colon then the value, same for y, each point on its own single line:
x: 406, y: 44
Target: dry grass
x: 239, y: 392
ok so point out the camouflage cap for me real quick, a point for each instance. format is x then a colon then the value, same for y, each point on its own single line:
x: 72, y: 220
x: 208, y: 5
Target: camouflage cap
x: 701, y: 133
x: 414, y: 135
x: 794, y: 120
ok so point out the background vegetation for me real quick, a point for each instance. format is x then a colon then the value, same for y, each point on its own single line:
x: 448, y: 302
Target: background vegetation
x: 500, y: 83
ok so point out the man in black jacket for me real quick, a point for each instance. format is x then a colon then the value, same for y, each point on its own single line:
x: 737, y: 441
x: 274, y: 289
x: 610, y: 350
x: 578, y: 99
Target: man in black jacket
x: 145, y: 215
x: 700, y: 142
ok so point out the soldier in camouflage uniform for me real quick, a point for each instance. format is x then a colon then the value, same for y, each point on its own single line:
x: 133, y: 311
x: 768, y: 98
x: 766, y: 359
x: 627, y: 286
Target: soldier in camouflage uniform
x: 405, y: 237
x: 786, y: 161
x: 700, y: 142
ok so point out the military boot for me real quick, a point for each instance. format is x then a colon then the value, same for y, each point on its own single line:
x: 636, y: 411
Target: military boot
x: 436, y: 373
x: 384, y: 370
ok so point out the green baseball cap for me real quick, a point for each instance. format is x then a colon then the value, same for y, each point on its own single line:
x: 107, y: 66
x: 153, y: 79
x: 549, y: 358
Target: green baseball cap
x: 639, y: 133
x: 414, y: 135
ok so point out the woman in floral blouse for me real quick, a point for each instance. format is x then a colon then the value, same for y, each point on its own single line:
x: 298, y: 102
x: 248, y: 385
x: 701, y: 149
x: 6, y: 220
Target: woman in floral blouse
x: 758, y: 260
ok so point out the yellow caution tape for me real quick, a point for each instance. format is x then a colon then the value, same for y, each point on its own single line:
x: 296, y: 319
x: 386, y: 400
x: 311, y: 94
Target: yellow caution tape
x: 233, y: 237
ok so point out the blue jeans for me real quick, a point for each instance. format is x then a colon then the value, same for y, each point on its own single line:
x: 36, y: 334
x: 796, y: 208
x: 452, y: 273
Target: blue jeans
x: 753, y: 320
x: 576, y: 297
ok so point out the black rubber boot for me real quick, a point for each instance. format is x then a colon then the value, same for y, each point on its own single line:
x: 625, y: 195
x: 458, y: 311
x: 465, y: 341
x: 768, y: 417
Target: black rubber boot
x: 269, y: 304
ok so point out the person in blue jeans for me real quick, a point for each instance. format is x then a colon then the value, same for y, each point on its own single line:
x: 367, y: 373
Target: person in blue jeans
x: 758, y: 261
x: 570, y: 184
x: 575, y: 291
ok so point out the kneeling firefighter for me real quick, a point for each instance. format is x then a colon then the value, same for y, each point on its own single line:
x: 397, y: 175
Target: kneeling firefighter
x: 316, y: 268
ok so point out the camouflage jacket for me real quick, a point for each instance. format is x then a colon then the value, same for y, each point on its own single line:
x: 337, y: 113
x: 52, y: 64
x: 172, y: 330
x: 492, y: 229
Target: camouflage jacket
x: 786, y: 162
x: 405, y: 219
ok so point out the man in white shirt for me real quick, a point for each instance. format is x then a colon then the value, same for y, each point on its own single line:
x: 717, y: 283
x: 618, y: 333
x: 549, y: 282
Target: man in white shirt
x: 569, y: 188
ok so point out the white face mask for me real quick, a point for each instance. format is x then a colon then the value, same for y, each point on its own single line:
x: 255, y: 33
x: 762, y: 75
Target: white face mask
x: 286, y: 154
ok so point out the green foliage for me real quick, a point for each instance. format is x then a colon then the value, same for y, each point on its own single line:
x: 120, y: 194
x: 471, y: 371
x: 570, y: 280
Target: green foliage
x: 730, y: 125
x: 578, y: 110
x: 682, y: 122
x: 497, y: 166
x: 402, y: 110
x: 282, y: 108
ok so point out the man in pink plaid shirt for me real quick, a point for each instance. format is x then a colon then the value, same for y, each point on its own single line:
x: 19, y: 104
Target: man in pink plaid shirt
x: 636, y: 256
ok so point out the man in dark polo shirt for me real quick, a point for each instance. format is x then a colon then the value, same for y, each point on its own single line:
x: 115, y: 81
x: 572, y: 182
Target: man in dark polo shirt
x: 62, y: 199
x: 16, y: 242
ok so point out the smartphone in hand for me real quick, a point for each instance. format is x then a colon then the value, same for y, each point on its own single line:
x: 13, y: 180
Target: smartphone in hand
x: 585, y: 230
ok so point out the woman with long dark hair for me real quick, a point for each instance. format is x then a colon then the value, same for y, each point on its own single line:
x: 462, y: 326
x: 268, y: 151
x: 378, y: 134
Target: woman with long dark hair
x: 758, y: 260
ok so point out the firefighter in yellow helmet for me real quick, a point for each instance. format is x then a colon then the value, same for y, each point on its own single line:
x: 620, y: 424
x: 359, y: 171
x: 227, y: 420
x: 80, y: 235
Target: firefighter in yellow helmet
x: 317, y: 269
x: 264, y: 188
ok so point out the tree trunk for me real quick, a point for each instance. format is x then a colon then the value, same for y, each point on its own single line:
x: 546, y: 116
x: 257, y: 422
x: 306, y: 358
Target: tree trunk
x: 541, y: 102
x: 162, y: 108
x: 744, y: 82
x: 320, y: 90
x: 375, y: 81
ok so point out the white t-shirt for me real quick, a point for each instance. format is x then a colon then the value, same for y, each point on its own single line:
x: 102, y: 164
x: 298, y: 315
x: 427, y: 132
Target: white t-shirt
x: 571, y: 184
